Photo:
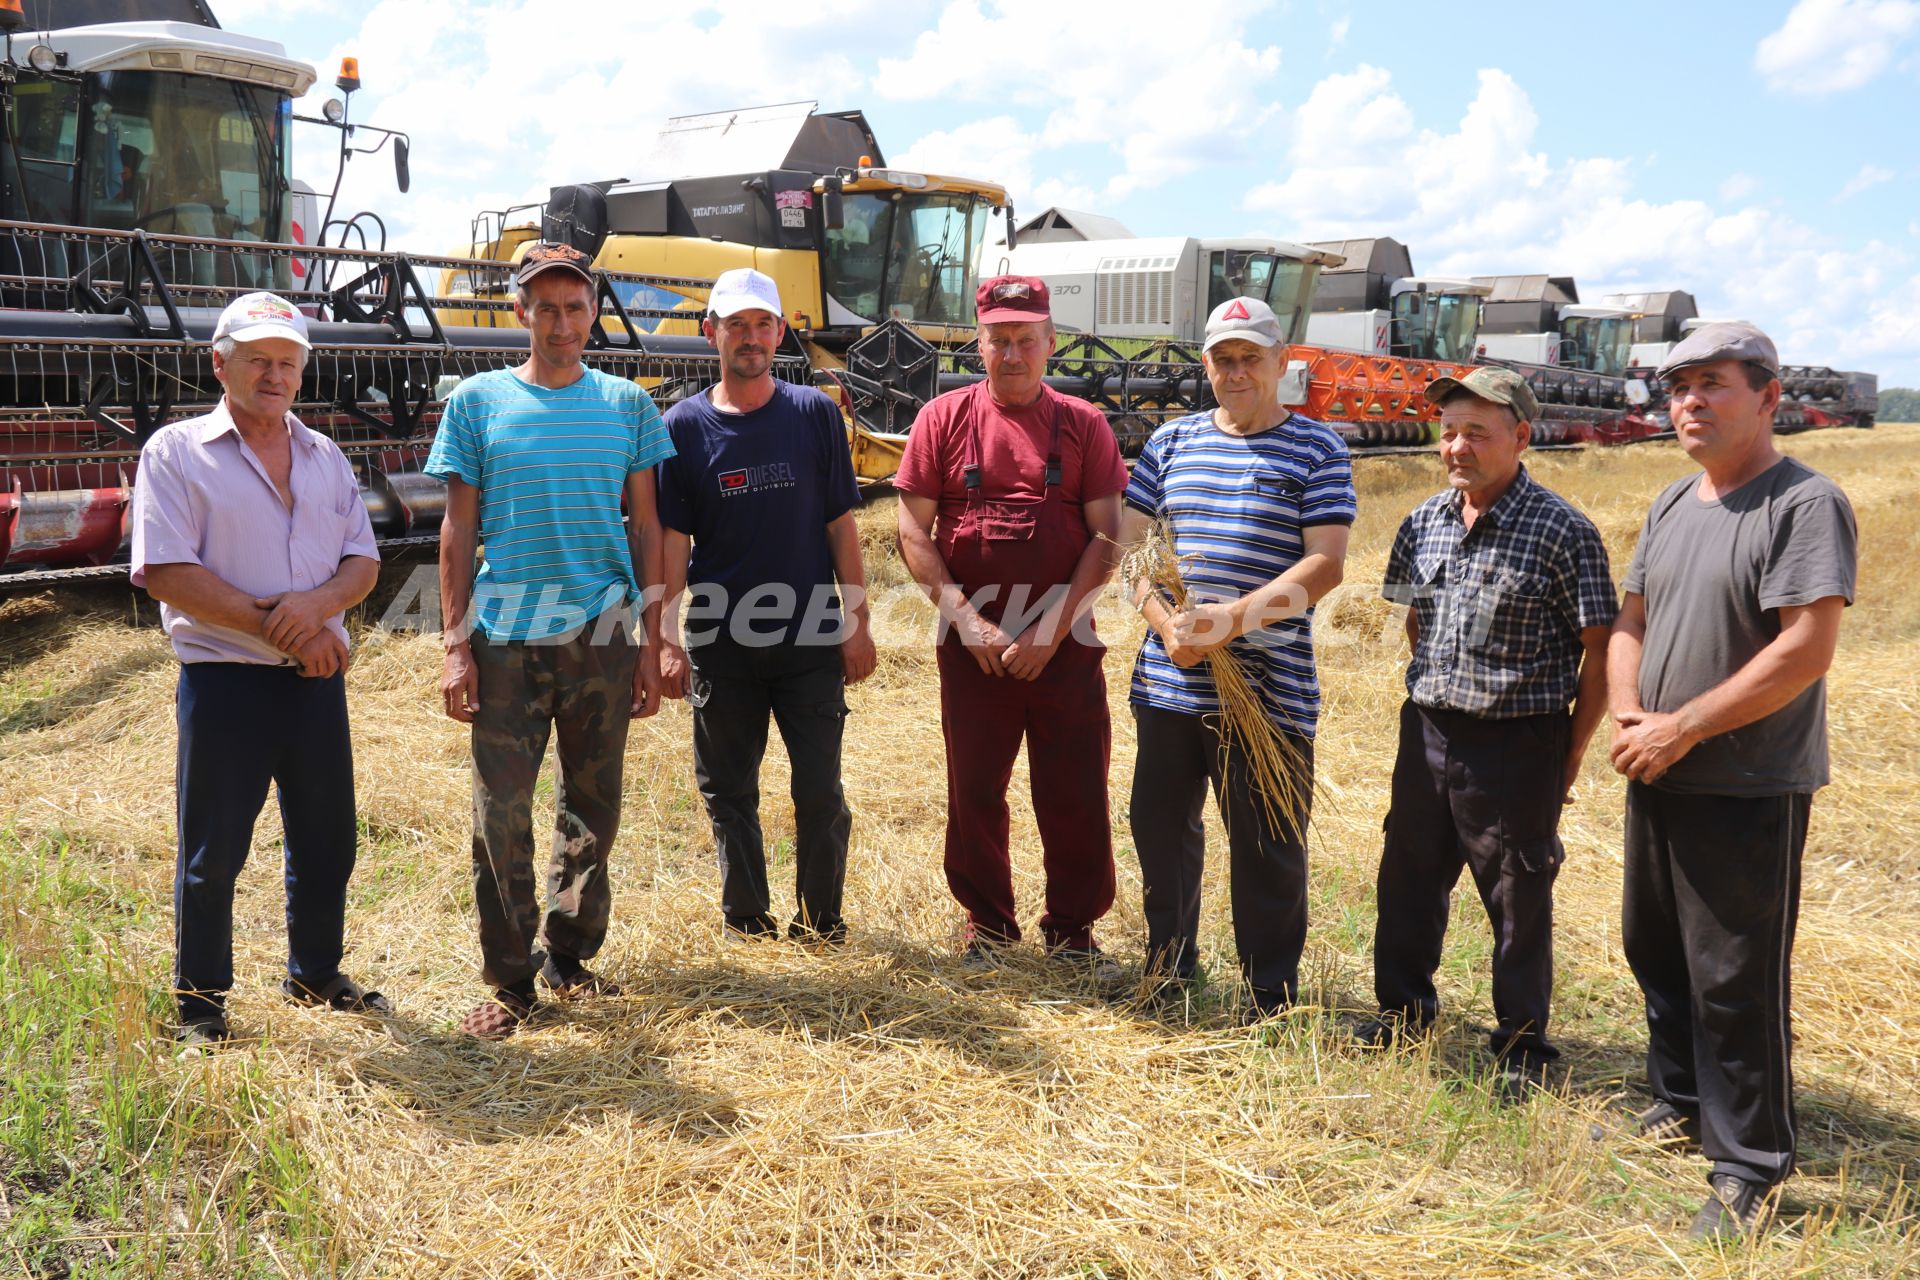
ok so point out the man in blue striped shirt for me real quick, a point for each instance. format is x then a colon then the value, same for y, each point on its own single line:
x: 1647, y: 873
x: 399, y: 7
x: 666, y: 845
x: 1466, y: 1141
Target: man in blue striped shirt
x: 1259, y: 502
x: 539, y: 457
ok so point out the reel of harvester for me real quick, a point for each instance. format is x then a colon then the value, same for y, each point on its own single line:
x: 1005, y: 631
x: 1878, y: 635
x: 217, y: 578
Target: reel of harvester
x: 104, y: 338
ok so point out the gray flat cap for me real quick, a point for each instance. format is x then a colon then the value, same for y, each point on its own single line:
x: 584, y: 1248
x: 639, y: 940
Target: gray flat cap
x: 1722, y: 340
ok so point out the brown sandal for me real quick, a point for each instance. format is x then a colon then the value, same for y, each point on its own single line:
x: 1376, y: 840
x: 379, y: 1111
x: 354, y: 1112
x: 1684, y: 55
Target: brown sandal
x: 498, y: 1016
x: 581, y: 982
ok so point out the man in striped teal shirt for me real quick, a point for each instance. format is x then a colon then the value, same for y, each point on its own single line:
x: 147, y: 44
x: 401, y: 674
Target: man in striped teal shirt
x: 1258, y: 502
x: 543, y: 638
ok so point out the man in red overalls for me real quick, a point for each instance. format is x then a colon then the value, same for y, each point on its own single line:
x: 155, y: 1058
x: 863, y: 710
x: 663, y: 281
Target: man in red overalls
x: 1009, y: 507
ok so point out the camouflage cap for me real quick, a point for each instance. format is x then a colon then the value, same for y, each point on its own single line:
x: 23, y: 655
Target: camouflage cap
x: 1490, y: 382
x: 1723, y: 340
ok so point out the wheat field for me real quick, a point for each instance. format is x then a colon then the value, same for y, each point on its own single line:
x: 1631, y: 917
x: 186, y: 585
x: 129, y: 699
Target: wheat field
x: 767, y: 1111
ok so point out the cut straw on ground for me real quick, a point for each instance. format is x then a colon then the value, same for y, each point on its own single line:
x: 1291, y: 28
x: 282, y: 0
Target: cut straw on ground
x: 879, y: 1110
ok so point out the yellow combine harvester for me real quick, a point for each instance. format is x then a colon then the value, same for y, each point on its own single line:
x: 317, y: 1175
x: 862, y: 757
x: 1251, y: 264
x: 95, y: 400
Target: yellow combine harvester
x: 803, y: 195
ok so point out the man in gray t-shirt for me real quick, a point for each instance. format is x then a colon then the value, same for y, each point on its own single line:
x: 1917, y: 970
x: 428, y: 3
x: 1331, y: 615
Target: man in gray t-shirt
x: 1717, y: 670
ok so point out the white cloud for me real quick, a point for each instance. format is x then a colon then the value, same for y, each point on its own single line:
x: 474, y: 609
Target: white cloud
x: 1870, y: 175
x: 1164, y: 107
x: 1738, y: 187
x: 1338, y: 35
x: 1480, y: 199
x: 1826, y: 46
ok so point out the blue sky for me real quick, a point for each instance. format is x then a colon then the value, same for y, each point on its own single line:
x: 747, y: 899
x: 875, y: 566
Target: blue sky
x: 1761, y: 154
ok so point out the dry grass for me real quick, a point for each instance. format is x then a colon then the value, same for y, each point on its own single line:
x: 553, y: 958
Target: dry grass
x: 768, y: 1112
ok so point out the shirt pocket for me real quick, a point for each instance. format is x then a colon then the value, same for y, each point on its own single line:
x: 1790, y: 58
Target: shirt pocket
x: 1277, y: 493
x: 1514, y: 605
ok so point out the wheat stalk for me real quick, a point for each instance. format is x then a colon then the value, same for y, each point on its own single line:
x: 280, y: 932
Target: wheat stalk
x: 1246, y: 723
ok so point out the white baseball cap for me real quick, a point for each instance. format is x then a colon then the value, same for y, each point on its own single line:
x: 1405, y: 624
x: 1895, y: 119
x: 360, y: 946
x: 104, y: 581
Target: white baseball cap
x: 262, y: 315
x: 743, y: 289
x: 1243, y: 320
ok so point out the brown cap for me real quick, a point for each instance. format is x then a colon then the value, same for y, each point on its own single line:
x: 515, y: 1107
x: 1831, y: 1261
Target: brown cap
x: 1723, y: 340
x: 548, y: 257
x: 1013, y: 299
x: 1490, y: 382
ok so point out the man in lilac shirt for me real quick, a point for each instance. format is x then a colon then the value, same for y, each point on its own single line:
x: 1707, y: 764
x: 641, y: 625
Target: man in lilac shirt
x: 249, y: 530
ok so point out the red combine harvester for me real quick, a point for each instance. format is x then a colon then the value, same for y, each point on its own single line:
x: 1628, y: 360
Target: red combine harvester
x: 144, y: 183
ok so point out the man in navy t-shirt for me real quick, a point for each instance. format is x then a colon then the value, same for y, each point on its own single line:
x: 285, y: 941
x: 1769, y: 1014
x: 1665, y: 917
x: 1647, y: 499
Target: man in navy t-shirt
x: 757, y: 507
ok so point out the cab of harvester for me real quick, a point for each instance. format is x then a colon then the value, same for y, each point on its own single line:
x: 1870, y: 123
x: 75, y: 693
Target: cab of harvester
x: 168, y: 125
x: 1436, y: 317
x: 803, y: 195
x: 1599, y: 339
x: 1146, y: 287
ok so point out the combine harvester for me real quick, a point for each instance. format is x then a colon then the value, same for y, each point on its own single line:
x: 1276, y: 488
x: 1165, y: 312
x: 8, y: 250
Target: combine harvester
x: 146, y: 161
x: 1573, y: 357
x: 1811, y: 395
x: 802, y: 195
x: 1122, y: 300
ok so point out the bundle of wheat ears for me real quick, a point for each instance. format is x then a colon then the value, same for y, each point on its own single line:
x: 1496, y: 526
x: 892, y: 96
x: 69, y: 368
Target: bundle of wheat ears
x: 1247, y: 724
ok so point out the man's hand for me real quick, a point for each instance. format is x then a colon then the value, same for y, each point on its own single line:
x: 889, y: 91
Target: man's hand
x: 858, y: 657
x: 1028, y: 656
x: 646, y: 686
x: 1648, y: 743
x: 1571, y: 775
x: 460, y: 684
x: 293, y: 618
x: 322, y: 655
x: 674, y: 668
x: 984, y: 640
x: 1191, y: 634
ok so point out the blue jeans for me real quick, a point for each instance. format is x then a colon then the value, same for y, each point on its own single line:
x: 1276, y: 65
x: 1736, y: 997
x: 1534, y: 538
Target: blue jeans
x: 241, y: 727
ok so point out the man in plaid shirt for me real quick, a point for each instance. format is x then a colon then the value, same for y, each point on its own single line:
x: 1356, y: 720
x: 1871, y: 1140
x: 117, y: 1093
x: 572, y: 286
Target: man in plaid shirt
x: 1511, y: 604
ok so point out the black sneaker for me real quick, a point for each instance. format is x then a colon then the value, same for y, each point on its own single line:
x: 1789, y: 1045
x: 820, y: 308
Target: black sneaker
x: 834, y: 935
x: 203, y: 1034
x: 1088, y: 962
x: 980, y: 956
x: 1660, y: 1123
x: 1518, y: 1079
x: 1382, y: 1030
x: 750, y: 929
x: 1263, y: 1006
x: 1736, y: 1209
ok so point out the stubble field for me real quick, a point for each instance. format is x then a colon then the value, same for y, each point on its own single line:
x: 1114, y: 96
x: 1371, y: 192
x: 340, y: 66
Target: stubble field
x: 877, y: 1111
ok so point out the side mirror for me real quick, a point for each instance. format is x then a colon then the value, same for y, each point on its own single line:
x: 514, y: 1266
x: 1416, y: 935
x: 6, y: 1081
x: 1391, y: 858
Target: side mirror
x: 1293, y: 384
x: 400, y: 171
x: 1638, y: 393
x: 833, y: 206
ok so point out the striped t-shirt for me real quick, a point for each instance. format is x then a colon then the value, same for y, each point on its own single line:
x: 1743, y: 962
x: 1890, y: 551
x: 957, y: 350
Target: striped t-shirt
x: 1236, y: 507
x: 550, y: 464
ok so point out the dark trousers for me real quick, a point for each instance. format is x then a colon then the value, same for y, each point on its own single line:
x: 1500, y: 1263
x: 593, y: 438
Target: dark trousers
x: 802, y: 687
x: 1179, y: 755
x: 1712, y: 898
x: 1486, y: 795
x: 1063, y: 717
x: 582, y: 693
x: 241, y: 727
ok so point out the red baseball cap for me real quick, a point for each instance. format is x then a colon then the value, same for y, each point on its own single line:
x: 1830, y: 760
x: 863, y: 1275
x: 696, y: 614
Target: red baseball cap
x: 1013, y: 299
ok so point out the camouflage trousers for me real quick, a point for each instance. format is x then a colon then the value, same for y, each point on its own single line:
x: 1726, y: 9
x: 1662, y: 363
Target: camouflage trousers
x: 579, y: 692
